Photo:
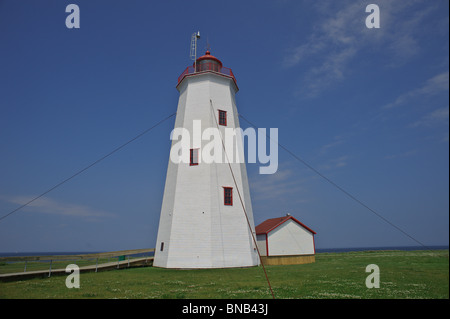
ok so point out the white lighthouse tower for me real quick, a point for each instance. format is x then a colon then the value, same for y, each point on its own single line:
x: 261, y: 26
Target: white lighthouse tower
x: 206, y: 216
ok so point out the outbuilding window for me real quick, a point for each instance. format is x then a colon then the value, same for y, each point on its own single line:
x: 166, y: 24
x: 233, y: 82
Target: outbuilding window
x: 228, y: 196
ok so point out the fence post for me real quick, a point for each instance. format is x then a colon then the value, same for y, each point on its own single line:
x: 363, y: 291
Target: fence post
x: 96, y: 265
x: 50, y: 270
x: 25, y: 269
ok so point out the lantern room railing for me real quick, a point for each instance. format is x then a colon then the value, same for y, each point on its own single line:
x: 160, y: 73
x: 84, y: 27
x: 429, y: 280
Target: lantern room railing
x: 207, y: 67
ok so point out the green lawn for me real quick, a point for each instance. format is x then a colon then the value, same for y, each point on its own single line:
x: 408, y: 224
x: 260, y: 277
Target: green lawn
x: 403, y: 274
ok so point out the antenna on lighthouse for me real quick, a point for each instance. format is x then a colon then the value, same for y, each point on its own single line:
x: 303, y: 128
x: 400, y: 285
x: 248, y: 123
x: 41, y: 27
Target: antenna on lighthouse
x: 193, y: 54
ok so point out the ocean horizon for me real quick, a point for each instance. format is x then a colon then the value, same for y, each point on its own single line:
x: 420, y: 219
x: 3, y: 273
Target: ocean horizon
x: 318, y: 250
x: 406, y: 248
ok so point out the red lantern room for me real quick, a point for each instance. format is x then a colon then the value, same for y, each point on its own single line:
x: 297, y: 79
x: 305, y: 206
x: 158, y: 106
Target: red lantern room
x: 205, y: 64
x: 208, y: 62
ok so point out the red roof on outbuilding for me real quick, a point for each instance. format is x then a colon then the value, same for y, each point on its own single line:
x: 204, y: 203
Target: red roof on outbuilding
x: 270, y: 224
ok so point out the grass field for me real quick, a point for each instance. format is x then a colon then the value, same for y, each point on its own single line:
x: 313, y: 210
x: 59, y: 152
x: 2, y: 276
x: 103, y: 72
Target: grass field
x: 403, y: 274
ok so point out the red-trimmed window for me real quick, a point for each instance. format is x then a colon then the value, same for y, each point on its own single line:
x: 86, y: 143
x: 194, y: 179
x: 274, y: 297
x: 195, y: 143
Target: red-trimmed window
x: 228, y: 196
x: 193, y: 157
x: 223, y: 117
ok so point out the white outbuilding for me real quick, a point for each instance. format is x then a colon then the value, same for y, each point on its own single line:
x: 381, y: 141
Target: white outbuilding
x: 284, y: 241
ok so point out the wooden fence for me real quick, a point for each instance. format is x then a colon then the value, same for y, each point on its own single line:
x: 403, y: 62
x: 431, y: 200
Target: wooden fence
x: 90, y: 262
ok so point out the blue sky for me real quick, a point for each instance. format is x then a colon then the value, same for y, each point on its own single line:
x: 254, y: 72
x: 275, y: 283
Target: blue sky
x: 368, y: 108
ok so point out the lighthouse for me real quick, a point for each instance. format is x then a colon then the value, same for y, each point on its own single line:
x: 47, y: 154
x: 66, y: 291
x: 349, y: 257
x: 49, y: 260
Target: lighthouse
x: 206, y: 218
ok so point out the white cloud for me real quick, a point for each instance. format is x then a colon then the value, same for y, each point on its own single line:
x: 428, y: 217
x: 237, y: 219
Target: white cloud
x: 337, y: 140
x: 336, y: 162
x: 50, y: 206
x: 339, y: 35
x: 292, y: 184
x: 281, y: 185
x: 437, y: 84
x: 332, y: 40
x: 436, y: 117
x: 401, y: 155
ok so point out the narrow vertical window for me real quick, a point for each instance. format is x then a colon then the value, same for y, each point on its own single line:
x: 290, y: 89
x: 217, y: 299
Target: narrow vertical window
x: 162, y: 246
x: 194, y: 157
x: 228, y: 196
x: 222, y: 117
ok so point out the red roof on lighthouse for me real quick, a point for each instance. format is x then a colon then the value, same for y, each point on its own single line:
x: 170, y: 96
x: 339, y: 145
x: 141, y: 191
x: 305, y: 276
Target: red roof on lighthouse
x: 208, y: 56
x: 207, y: 63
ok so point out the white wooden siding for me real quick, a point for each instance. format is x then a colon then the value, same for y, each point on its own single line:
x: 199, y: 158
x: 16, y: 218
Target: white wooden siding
x: 197, y: 229
x: 290, y: 239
